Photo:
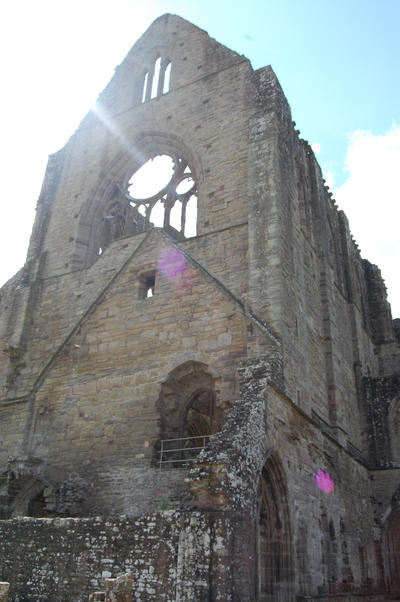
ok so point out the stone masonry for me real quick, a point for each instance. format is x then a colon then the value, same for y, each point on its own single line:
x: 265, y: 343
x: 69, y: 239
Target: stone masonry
x: 200, y: 386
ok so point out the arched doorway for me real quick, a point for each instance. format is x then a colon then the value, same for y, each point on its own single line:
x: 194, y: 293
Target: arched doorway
x: 274, y: 578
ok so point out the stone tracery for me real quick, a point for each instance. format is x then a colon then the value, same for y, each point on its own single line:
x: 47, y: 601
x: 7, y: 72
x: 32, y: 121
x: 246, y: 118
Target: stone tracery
x: 173, y: 206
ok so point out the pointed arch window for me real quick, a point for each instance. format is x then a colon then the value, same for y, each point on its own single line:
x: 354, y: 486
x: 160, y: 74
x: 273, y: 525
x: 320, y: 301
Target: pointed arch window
x: 157, y: 79
x: 145, y: 86
x: 167, y: 78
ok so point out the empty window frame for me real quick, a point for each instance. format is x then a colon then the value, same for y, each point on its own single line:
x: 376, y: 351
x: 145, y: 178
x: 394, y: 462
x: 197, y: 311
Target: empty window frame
x: 161, y: 193
x: 164, y: 191
x: 157, y: 80
x: 145, y: 86
x: 167, y: 78
x: 147, y: 283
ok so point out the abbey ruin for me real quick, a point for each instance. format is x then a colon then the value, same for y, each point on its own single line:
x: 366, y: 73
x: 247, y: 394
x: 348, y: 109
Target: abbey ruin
x: 200, y: 385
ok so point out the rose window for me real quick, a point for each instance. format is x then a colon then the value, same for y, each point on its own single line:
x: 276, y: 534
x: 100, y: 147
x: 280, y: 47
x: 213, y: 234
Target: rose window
x: 162, y: 192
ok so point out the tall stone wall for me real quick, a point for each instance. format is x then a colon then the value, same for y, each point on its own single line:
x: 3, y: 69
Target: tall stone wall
x: 269, y: 312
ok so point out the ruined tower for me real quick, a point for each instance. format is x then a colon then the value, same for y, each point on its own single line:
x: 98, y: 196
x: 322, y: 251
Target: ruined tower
x: 199, y: 384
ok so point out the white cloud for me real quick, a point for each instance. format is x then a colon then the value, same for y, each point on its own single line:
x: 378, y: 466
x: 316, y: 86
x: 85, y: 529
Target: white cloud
x: 316, y: 148
x: 371, y: 200
x: 329, y: 178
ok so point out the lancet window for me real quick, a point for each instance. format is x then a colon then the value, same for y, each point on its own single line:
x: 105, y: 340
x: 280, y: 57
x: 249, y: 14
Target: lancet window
x: 157, y: 80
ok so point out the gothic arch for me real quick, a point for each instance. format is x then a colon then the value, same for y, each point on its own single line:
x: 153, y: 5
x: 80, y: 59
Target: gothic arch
x: 132, y: 156
x: 187, y: 386
x: 187, y: 408
x: 274, y: 567
x: 156, y: 76
x: 26, y: 497
x: 198, y: 413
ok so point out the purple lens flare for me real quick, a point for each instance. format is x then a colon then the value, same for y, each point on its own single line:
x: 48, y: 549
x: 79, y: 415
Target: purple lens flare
x: 172, y: 263
x: 324, y: 481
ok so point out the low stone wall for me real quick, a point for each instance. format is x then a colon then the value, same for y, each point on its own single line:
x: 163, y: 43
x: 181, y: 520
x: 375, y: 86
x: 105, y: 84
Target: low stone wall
x: 64, y: 559
x: 343, y: 598
x: 116, y: 590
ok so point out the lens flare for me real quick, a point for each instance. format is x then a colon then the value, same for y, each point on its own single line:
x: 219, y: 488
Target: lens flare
x: 185, y: 280
x: 172, y: 263
x: 324, y: 481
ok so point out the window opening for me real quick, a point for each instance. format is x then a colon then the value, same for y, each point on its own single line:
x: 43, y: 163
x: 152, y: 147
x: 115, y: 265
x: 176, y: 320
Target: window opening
x: 185, y: 185
x: 167, y: 77
x: 189, y: 415
x: 147, y: 285
x: 160, y: 82
x: 176, y: 215
x: 146, y: 81
x: 198, y: 422
x: 162, y: 193
x: 152, y: 177
x: 156, y: 78
x: 157, y: 215
x: 198, y: 429
x: 191, y: 217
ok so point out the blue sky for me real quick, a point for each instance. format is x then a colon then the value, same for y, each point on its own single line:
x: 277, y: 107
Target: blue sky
x: 337, y: 61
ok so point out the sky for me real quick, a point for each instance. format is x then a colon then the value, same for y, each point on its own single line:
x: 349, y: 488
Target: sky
x: 337, y: 61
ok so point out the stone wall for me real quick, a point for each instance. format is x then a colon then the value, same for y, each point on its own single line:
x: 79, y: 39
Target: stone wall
x: 269, y: 310
x: 77, y: 429
x: 167, y: 553
x: 335, y: 545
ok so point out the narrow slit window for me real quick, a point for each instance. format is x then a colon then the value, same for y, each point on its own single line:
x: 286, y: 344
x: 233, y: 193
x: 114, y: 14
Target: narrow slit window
x: 145, y: 84
x: 167, y: 78
x: 147, y: 283
x: 156, y: 77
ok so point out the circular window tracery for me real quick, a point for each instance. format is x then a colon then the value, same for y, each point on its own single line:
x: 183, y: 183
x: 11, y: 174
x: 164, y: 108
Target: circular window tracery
x: 162, y: 192
x: 151, y: 177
